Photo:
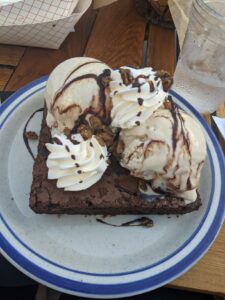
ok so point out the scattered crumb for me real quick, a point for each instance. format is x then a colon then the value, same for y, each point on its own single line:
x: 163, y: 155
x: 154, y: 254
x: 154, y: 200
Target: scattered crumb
x: 177, y: 216
x: 104, y: 216
x: 12, y: 198
x: 113, y: 245
x: 168, y: 217
x: 31, y: 135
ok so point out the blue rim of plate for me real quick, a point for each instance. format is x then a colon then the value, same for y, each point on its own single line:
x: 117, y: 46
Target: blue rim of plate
x: 149, y: 283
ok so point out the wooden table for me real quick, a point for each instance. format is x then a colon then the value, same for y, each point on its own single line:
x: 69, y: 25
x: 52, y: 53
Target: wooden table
x: 115, y: 35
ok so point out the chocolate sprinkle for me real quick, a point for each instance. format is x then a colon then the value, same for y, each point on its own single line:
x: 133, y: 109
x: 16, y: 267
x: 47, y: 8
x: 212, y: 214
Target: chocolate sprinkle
x: 138, y: 114
x: 67, y: 148
x: 75, y: 142
x: 77, y: 165
x: 91, y: 145
x: 73, y: 156
x: 80, y: 181
x: 57, y: 141
x: 115, y: 92
x: 79, y: 171
x: 140, y: 101
x: 101, y: 156
x: 138, y: 123
x: 151, y: 85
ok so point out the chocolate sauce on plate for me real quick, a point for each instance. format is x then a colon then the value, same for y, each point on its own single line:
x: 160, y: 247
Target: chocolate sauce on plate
x: 25, y: 139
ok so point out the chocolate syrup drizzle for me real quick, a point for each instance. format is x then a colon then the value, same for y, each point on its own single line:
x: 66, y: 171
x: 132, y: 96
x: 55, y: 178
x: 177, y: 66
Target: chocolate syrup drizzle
x: 102, y: 97
x: 25, y: 139
x: 80, y: 66
x: 186, y: 141
x: 143, y: 221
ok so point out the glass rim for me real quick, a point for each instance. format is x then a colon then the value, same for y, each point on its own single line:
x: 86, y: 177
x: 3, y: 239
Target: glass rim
x: 210, y: 10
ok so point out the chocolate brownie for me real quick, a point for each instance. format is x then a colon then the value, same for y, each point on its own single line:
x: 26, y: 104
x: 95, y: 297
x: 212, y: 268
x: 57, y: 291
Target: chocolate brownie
x: 116, y: 193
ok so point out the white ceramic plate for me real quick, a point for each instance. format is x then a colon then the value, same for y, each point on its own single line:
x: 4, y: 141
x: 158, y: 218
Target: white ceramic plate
x: 78, y: 255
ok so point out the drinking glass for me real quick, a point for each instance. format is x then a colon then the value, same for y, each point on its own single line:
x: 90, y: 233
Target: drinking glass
x: 200, y: 72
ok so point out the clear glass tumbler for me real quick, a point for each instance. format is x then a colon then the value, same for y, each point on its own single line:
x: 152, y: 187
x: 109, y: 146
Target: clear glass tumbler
x: 200, y: 72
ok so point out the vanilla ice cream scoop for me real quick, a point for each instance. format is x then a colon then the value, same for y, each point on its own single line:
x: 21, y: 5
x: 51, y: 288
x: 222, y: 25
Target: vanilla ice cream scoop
x: 168, y: 151
x: 76, y: 87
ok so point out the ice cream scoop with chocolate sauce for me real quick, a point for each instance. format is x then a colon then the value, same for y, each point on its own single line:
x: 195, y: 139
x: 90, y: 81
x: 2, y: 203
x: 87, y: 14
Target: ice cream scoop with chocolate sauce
x: 168, y: 151
x: 76, y: 87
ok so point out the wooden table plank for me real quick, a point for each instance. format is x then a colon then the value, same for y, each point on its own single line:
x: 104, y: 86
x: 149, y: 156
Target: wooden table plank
x: 117, y: 36
x: 9, y: 59
x: 10, y: 55
x: 208, y: 274
x: 37, y: 62
x: 5, y: 74
x: 161, y: 47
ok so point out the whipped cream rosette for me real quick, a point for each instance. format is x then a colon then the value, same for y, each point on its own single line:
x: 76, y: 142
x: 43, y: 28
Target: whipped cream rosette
x: 76, y: 163
x: 136, y: 94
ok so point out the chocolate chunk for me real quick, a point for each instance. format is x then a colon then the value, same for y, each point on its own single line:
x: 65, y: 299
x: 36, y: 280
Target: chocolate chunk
x: 31, y: 135
x: 73, y: 156
x: 67, y: 148
x: 167, y: 79
x: 100, y: 140
x: 138, y: 114
x: 85, y: 131
x: 95, y: 123
x: 107, y: 137
x: 126, y: 76
x: 66, y: 131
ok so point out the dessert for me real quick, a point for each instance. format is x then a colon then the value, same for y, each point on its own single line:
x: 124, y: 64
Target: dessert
x: 113, y: 142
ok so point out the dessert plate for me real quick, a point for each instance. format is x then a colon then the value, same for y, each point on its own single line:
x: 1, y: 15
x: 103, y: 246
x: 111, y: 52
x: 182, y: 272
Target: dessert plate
x: 77, y: 254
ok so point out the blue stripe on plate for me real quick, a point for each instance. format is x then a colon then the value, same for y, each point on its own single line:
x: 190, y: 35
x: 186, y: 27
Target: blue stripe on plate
x: 149, y: 283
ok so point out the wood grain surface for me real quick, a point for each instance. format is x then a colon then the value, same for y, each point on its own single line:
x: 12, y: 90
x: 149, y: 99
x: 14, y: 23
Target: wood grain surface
x: 161, y: 48
x: 10, y: 55
x: 37, y: 62
x: 117, y: 38
x: 208, y: 275
x: 9, y: 59
x: 5, y: 74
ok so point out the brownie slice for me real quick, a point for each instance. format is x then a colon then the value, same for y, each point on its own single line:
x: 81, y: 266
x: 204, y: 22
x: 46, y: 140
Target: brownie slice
x: 116, y: 193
